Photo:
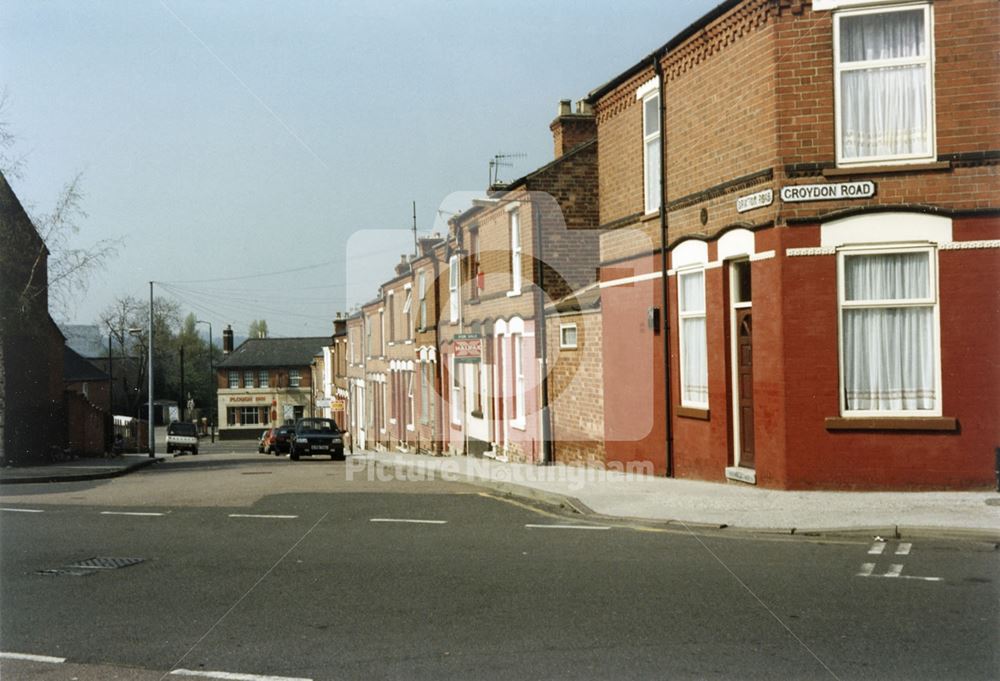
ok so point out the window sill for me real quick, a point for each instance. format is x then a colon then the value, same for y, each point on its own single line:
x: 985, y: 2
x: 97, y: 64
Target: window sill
x: 649, y: 217
x: 886, y: 169
x: 473, y: 301
x: 940, y: 423
x: 692, y: 413
x: 519, y: 425
x: 513, y: 294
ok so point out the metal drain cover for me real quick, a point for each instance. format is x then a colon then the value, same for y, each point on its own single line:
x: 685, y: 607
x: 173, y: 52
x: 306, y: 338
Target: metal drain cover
x: 103, y: 563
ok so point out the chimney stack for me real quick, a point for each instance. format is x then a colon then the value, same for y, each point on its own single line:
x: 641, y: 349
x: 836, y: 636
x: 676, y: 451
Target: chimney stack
x: 340, y: 325
x: 571, y: 129
x: 227, y: 339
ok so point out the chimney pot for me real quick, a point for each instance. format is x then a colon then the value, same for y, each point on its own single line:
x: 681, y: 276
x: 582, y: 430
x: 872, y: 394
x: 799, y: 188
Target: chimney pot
x: 565, y: 107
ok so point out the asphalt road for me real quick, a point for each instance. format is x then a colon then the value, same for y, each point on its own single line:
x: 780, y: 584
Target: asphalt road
x: 258, y: 567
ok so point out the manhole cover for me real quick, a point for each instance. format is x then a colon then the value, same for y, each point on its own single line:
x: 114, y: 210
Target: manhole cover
x: 63, y: 572
x: 105, y: 563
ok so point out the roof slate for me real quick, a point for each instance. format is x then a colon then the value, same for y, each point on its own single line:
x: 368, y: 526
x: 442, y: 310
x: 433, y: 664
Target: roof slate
x: 275, y: 352
x: 77, y: 369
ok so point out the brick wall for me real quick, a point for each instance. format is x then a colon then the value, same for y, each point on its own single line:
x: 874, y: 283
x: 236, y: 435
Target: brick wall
x: 576, y: 389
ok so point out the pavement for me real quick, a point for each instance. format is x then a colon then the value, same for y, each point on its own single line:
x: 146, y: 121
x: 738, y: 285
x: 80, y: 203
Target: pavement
x: 622, y: 495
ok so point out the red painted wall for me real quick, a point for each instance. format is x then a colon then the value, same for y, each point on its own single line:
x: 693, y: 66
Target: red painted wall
x: 970, y: 326
x: 633, y: 368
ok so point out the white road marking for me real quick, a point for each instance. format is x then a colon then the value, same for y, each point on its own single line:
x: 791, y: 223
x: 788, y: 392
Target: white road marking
x: 32, y: 658
x: 904, y: 549
x: 22, y: 510
x: 568, y: 527
x: 230, y: 676
x: 251, y: 515
x: 408, y: 520
x: 130, y: 513
x: 866, y: 569
x: 895, y: 570
x: 924, y: 579
x: 876, y: 549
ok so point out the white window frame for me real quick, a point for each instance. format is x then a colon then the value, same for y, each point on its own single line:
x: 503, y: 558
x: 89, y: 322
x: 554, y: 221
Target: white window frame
x: 248, y: 374
x: 456, y: 392
x: 263, y: 379
x: 411, y: 400
x: 927, y: 60
x: 381, y: 335
x: 517, y: 348
x: 651, y: 195
x: 563, y: 343
x: 422, y: 296
x: 453, y: 303
x: 514, y: 232
x: 933, y: 300
x: 683, y: 314
x: 294, y: 378
x: 407, y: 304
x: 234, y: 379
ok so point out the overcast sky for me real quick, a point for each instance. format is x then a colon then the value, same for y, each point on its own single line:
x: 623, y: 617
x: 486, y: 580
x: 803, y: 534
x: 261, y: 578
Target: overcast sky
x: 264, y: 145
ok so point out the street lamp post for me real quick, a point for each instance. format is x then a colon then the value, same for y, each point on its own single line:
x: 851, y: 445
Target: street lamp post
x: 211, y: 375
x: 136, y: 333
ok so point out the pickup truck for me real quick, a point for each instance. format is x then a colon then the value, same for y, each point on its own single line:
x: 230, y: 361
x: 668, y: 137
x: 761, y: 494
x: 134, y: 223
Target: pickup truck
x: 181, y: 436
x: 316, y: 436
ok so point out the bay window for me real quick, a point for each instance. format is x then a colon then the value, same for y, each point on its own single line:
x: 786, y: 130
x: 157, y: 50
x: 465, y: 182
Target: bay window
x: 884, y: 84
x: 889, y: 330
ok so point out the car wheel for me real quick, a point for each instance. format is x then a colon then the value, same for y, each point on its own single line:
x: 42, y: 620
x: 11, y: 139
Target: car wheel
x: 294, y: 455
x: 195, y: 451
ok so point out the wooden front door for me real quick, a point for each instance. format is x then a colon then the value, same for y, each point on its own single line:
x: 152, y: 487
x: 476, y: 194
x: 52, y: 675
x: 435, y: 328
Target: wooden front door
x: 744, y: 355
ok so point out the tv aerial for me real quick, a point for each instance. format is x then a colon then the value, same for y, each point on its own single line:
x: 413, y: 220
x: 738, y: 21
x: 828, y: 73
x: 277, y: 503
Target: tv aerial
x: 499, y: 161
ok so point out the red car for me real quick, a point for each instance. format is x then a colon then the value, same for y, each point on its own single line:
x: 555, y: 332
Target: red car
x: 281, y: 442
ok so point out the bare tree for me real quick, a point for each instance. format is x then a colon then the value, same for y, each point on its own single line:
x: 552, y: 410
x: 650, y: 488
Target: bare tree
x: 69, y: 267
x: 11, y: 164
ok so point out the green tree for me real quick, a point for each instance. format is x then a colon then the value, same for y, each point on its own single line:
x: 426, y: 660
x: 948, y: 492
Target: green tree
x: 258, y: 329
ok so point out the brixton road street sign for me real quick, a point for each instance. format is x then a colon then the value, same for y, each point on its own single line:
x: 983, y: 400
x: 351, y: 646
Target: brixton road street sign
x: 468, y: 347
x: 827, y: 192
x: 758, y: 200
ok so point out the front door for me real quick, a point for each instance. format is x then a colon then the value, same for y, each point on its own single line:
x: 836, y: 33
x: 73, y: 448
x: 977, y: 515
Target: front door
x: 744, y: 371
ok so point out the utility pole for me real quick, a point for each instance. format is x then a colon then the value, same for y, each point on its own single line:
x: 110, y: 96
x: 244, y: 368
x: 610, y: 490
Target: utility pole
x: 213, y: 382
x: 416, y: 248
x: 151, y: 429
x: 183, y: 401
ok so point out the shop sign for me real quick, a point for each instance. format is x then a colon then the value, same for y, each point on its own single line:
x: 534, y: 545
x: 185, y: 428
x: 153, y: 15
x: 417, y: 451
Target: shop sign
x: 758, y: 200
x: 828, y: 192
x: 468, y: 347
x: 235, y: 399
x: 338, y: 405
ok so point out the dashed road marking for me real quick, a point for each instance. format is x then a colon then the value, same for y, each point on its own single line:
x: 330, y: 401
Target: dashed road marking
x: 408, y: 520
x: 568, y: 527
x: 877, y: 549
x: 866, y: 569
x: 231, y: 676
x: 32, y: 658
x: 895, y: 570
x: 252, y: 515
x: 22, y: 510
x: 904, y: 549
x: 132, y: 513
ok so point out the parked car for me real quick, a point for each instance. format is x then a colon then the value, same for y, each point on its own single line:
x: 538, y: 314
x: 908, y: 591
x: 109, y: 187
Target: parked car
x: 282, y: 440
x: 265, y: 441
x: 182, y: 436
x: 317, y: 436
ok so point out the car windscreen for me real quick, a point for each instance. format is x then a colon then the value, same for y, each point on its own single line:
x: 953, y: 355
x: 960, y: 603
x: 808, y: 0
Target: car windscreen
x: 181, y: 429
x: 316, y: 426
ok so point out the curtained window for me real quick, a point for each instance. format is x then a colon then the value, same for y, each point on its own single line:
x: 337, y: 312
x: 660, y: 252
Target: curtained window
x: 884, y: 84
x: 889, y: 333
x: 694, y: 346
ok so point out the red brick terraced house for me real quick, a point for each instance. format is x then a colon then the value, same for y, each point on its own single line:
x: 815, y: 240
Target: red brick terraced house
x: 400, y: 329
x: 373, y: 427
x: 531, y: 242
x: 426, y: 306
x: 817, y: 181
x: 354, y: 377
